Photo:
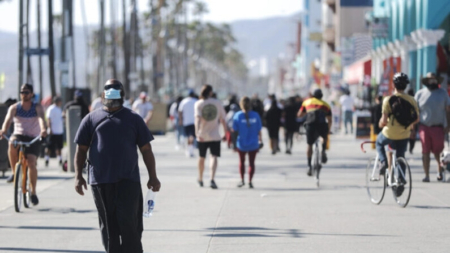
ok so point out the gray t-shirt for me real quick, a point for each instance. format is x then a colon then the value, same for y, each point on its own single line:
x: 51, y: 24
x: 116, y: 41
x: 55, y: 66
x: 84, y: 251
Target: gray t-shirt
x: 432, y: 106
x: 113, y: 153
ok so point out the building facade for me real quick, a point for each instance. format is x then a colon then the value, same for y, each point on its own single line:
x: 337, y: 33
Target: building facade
x: 411, y: 36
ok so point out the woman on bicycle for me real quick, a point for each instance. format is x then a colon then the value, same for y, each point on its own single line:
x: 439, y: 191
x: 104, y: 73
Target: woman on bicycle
x: 247, y: 124
x: 29, y: 123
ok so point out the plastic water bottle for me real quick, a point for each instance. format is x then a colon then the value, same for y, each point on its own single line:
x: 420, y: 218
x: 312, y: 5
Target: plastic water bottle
x: 149, y: 203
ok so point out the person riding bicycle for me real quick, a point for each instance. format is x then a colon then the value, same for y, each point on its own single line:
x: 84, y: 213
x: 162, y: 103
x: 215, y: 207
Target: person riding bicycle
x: 29, y: 123
x: 318, y: 123
x: 399, y: 113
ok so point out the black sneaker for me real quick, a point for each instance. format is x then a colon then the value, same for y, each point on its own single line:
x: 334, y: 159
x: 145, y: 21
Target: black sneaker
x: 288, y: 152
x: 10, y: 179
x: 399, y: 190
x: 34, y: 200
x: 440, y: 177
x: 241, y: 184
x: 324, y: 157
x: 213, y: 184
x: 309, y: 173
x: 250, y: 185
x: 200, y: 183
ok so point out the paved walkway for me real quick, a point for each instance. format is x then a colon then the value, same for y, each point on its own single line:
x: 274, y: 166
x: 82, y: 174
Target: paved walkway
x: 284, y: 213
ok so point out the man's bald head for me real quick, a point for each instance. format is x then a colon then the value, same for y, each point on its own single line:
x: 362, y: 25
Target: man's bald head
x: 113, y: 81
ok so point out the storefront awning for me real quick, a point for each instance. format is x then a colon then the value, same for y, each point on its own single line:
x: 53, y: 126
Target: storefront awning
x: 354, y: 74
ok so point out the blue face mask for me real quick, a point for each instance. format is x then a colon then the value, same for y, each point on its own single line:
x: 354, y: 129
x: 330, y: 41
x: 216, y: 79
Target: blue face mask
x: 112, y: 94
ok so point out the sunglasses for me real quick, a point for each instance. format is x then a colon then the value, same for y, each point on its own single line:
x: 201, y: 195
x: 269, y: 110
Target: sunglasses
x: 113, y: 86
x: 25, y: 92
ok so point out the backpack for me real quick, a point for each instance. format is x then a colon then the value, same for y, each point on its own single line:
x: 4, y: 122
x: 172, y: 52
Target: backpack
x: 403, y: 111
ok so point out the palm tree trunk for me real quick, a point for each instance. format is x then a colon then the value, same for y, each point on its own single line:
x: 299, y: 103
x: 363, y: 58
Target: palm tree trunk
x: 29, y: 72
x: 51, y: 57
x: 126, y: 49
x: 113, y: 37
x: 41, y: 90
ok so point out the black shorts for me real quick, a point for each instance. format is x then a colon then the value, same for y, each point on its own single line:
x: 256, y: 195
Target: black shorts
x: 55, y: 142
x: 313, y: 131
x: 214, y: 148
x: 273, y: 132
x: 189, y: 130
x: 34, y: 149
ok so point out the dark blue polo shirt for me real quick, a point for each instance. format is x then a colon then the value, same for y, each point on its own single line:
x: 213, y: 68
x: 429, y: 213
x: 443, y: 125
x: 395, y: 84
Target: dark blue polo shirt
x: 113, y: 153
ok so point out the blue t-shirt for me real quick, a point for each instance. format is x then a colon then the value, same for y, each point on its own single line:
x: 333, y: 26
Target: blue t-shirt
x: 247, y: 139
x: 113, y: 153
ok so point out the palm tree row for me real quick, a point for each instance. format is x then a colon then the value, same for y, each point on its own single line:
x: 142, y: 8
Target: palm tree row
x: 170, y: 50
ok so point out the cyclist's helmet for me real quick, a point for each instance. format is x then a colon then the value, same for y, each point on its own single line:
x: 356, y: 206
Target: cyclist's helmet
x: 318, y: 94
x: 400, y: 81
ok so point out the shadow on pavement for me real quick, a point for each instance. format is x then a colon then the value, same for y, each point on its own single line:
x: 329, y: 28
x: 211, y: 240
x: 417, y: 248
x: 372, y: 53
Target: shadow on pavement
x: 49, y: 250
x: 54, y: 177
x: 432, y: 207
x: 240, y: 235
x: 48, y: 228
x: 66, y: 210
x: 270, y: 232
x: 240, y: 228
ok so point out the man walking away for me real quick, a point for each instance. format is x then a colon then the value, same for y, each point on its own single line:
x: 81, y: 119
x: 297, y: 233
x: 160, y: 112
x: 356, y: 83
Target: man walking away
x: 55, y: 129
x: 111, y: 135
x: 187, y: 120
x: 347, y: 105
x: 209, y: 112
x: 434, y: 106
x: 143, y: 107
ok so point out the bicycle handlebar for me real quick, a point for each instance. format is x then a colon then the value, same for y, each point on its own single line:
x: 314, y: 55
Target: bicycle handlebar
x: 366, y: 142
x: 27, y: 144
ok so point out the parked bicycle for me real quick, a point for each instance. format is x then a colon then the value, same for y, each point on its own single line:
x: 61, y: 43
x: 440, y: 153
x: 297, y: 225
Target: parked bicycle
x: 397, y: 177
x: 22, y: 190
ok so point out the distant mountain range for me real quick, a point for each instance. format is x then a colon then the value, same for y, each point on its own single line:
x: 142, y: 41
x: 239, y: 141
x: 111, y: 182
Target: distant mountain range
x: 256, y: 39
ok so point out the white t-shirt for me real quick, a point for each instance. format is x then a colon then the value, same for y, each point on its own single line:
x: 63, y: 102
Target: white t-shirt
x: 142, y: 108
x: 187, y: 108
x: 210, y: 111
x: 347, y: 103
x: 54, y: 113
x: 96, y: 104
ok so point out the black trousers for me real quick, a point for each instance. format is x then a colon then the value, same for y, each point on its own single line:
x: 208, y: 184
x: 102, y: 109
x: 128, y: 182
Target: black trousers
x: 120, y: 210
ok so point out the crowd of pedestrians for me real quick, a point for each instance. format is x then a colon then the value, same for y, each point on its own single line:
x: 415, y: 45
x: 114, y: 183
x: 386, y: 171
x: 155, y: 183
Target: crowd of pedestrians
x: 202, y: 123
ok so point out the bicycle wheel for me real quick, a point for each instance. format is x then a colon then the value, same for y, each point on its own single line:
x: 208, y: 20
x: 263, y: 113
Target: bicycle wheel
x: 376, y: 183
x: 402, y: 182
x: 27, y: 194
x: 18, y: 188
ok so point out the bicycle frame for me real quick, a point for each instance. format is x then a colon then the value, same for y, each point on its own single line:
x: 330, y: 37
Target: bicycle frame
x: 24, y: 162
x: 22, y: 159
x: 392, y: 168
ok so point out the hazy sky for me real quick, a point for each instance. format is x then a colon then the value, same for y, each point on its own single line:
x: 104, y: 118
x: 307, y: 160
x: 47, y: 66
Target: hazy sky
x: 220, y: 11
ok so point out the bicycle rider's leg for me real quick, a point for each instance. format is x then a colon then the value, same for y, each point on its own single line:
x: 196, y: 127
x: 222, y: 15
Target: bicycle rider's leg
x: 13, y: 155
x: 31, y: 160
x: 310, y: 139
x: 380, y: 143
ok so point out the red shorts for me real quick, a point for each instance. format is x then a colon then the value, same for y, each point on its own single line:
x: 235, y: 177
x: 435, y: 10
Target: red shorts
x: 432, y: 139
